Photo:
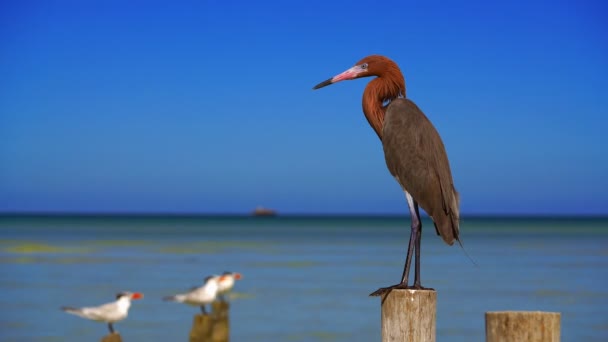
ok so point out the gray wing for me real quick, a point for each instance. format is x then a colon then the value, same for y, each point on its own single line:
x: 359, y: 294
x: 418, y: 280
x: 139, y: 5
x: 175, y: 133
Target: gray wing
x: 416, y: 157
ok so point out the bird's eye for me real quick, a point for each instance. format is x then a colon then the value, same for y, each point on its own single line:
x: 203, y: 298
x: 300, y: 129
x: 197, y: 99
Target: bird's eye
x: 364, y: 66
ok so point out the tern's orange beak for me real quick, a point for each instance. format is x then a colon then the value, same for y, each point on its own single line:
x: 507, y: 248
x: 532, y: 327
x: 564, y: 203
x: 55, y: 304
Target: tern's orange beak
x: 238, y: 276
x: 137, y: 295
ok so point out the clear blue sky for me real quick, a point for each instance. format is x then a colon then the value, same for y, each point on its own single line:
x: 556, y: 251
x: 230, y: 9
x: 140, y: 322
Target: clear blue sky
x: 206, y: 106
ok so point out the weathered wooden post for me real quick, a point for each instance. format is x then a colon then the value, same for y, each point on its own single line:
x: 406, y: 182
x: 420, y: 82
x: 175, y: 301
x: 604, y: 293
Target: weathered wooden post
x: 409, y: 315
x: 113, y: 337
x: 213, y: 327
x: 221, y: 326
x: 523, y: 326
x: 201, y: 328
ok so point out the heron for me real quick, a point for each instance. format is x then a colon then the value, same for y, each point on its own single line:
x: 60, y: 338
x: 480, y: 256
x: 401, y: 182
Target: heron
x: 414, y: 154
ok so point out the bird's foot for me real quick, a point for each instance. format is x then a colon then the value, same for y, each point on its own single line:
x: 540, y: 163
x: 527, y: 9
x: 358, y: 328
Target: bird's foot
x: 381, y: 291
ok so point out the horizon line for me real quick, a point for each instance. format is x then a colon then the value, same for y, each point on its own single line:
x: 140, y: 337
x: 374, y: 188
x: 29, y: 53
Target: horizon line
x: 278, y: 215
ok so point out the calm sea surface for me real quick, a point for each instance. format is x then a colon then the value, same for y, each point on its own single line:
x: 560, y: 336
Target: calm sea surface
x: 304, y: 279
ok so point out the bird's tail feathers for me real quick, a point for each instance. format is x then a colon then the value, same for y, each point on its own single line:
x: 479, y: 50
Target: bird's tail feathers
x: 465, y: 251
x: 174, y: 298
x: 446, y: 226
x: 72, y: 310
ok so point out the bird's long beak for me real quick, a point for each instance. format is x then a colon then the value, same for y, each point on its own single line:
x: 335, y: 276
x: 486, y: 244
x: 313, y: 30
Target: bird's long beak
x: 237, y: 276
x: 137, y: 295
x: 347, y: 75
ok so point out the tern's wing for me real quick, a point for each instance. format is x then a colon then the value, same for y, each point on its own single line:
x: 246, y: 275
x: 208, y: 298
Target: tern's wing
x: 184, y: 297
x: 105, y: 312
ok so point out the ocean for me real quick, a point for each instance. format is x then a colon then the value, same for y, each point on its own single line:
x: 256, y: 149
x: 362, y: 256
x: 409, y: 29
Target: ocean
x: 304, y: 278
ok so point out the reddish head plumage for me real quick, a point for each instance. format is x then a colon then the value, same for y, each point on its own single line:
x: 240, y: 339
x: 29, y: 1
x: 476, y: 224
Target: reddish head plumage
x: 388, y: 85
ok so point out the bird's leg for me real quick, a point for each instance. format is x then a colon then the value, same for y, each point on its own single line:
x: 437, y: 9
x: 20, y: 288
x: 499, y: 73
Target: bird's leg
x: 203, y: 310
x: 413, y: 245
x: 417, y: 226
x: 414, y: 235
x: 417, y: 284
x: 111, y: 328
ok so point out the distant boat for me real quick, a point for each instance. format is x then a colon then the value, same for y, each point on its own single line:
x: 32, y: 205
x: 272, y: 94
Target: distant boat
x: 261, y: 211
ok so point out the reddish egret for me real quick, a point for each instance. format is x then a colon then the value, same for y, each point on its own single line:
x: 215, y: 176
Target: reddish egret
x: 413, y: 151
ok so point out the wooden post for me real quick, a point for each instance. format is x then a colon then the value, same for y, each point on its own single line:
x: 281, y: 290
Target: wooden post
x: 221, y: 326
x: 213, y: 327
x: 409, y: 315
x: 201, y: 328
x: 113, y: 337
x: 524, y: 326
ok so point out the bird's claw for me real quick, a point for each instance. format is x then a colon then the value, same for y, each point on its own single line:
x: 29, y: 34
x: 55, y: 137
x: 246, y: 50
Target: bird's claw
x: 385, y: 290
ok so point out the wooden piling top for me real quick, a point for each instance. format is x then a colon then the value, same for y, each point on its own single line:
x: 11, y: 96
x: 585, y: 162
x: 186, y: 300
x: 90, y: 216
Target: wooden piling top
x: 113, y: 337
x: 201, y: 328
x: 213, y: 327
x: 409, y: 315
x: 524, y: 326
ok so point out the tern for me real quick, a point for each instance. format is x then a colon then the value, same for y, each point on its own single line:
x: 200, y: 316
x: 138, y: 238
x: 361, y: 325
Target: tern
x: 226, y: 284
x: 110, y: 312
x: 199, y: 296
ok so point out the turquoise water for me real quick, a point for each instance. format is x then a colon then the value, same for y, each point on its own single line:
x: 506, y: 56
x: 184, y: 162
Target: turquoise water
x: 305, y: 278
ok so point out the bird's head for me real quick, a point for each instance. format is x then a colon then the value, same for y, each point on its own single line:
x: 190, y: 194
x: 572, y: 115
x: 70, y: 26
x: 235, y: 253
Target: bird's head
x: 235, y: 275
x: 129, y: 295
x: 374, y: 65
x: 214, y: 279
